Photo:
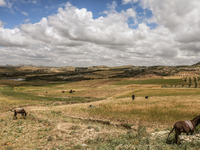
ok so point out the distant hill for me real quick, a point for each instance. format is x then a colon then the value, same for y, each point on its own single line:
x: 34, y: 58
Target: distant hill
x: 90, y: 67
x: 20, y: 65
x: 197, y: 64
x: 70, y: 73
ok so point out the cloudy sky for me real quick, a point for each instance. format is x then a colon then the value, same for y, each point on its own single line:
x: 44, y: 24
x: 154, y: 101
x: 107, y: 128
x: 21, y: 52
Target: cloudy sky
x: 84, y: 33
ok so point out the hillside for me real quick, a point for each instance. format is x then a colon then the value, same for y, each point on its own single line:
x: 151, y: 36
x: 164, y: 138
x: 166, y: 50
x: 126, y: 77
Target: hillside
x: 70, y: 73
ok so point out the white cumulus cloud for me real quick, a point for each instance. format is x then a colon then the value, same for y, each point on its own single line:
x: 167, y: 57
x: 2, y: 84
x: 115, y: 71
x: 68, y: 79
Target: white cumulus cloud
x: 73, y: 37
x: 2, y: 3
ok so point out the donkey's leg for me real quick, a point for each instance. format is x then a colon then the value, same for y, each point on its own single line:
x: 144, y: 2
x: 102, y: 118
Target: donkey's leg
x: 178, y: 140
x: 15, y: 115
x: 176, y: 137
x: 178, y: 132
x: 23, y: 115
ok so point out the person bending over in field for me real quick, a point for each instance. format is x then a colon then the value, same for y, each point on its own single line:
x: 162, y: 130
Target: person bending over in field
x: 133, y: 97
x: 19, y: 111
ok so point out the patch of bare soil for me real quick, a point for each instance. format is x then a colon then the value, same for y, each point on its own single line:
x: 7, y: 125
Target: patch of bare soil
x: 81, y: 133
x: 188, y: 73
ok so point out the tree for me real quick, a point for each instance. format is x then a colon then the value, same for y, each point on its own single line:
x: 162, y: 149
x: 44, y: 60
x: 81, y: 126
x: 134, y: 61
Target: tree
x: 190, y: 80
x: 195, y: 84
x: 185, y: 80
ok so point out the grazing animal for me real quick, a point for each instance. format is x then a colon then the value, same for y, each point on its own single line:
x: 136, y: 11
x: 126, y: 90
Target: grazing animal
x: 63, y: 91
x: 71, y: 91
x: 146, y: 97
x: 19, y: 111
x: 185, y: 127
x: 133, y: 97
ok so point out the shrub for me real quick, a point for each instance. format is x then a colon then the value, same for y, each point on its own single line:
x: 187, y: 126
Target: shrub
x: 141, y: 131
x: 190, y: 80
x: 185, y: 80
x: 75, y: 127
x: 195, y: 84
x: 77, y: 146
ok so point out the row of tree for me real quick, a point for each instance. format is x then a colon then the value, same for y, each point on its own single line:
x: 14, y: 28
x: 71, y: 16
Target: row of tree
x: 192, y: 80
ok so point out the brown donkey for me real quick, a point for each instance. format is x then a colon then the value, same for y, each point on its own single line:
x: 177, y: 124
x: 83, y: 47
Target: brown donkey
x: 19, y: 111
x: 185, y: 127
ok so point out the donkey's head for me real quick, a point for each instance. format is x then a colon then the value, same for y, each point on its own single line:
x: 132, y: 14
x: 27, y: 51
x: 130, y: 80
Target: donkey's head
x: 197, y: 120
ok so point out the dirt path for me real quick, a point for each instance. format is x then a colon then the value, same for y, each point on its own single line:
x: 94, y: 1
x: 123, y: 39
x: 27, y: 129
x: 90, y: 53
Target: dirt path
x: 63, y: 106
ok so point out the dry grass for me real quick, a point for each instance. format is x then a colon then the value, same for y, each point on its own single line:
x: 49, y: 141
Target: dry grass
x: 50, y: 126
x: 9, y: 102
x: 155, y: 110
x: 101, y: 88
x: 152, y: 91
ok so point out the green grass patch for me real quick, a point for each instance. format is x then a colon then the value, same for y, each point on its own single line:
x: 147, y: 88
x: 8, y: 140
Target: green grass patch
x: 152, y: 81
x: 9, y: 91
x: 140, y: 141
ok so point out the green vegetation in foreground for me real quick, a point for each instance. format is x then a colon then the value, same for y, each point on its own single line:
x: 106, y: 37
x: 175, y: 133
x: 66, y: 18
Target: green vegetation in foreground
x: 162, y: 92
x: 9, y: 91
x: 42, y: 133
x: 140, y: 141
x: 152, y: 81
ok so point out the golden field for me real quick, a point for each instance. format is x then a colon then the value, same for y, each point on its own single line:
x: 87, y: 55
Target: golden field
x: 63, y: 120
